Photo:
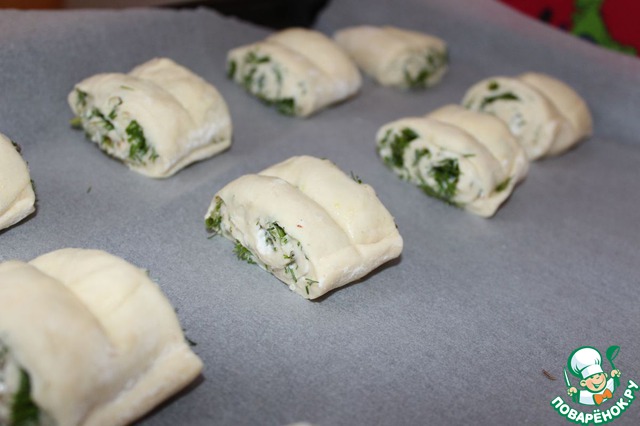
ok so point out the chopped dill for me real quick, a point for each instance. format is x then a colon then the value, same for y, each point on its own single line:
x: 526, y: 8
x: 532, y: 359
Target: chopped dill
x: 254, y: 58
x: 139, y: 147
x: 232, y: 66
x: 24, y: 412
x: 434, y: 60
x: 275, y: 233
x: 419, y: 153
x: 106, y: 141
x: 16, y: 146
x: 309, y: 283
x: 419, y: 81
x: 355, y: 177
x: 398, y: 145
x: 243, y: 253
x: 503, y: 185
x: 285, y: 106
x: 213, y: 222
x: 81, y: 98
x: 288, y: 269
x: 446, y: 175
x: 76, y: 123
x: 113, y: 113
x: 502, y: 97
x: 95, y: 112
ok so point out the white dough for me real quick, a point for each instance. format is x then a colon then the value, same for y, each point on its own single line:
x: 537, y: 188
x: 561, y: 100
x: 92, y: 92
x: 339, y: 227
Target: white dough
x: 299, y: 71
x: 157, y: 119
x: 100, y: 342
x: 308, y: 223
x: 578, y: 122
x: 17, y: 199
x: 545, y: 115
x: 396, y: 57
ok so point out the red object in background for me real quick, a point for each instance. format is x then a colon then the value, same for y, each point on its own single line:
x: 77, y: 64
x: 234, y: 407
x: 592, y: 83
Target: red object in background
x: 622, y: 18
x: 558, y: 13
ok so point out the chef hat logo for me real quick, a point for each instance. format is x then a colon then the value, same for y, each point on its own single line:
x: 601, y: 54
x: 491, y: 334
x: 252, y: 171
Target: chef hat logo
x: 585, y: 362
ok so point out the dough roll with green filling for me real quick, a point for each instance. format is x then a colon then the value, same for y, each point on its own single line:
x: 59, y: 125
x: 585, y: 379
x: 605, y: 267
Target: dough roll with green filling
x: 17, y: 198
x: 297, y: 71
x: 445, y: 161
x: 86, y: 339
x: 396, y: 57
x: 577, y: 124
x: 157, y: 119
x: 306, y: 222
x: 494, y: 135
x: 546, y: 116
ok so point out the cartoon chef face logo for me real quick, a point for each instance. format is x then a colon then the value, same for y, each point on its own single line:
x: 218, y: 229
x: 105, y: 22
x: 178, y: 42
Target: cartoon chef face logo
x: 586, y: 364
x: 595, y: 389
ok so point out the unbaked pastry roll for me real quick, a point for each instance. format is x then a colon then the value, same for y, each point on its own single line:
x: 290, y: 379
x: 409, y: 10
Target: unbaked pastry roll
x: 157, y: 119
x: 444, y: 161
x: 578, y: 123
x: 298, y: 71
x: 534, y: 107
x: 396, y: 57
x: 86, y: 338
x: 494, y: 135
x: 17, y: 198
x: 307, y: 223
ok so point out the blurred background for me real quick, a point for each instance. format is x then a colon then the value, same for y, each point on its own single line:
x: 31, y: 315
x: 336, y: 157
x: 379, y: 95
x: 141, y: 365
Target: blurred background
x: 270, y: 13
x: 613, y: 24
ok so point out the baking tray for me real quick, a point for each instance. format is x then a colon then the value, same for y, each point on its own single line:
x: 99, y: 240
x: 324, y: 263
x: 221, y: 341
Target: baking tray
x: 456, y: 331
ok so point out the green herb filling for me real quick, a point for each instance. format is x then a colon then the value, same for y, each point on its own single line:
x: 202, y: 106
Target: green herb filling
x: 243, y: 253
x: 503, y: 185
x: 232, y: 66
x: 398, y: 145
x: 254, y: 82
x: 213, y: 222
x: 24, y: 412
x: 433, y: 61
x: 508, y: 96
x: 81, y: 98
x: 446, y: 175
x: 138, y: 144
x: 419, y: 153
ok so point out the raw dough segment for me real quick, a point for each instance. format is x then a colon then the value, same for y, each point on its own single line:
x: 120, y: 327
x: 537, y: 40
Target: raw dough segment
x: 396, y: 57
x: 157, y: 119
x: 578, y: 124
x: 17, y: 199
x: 546, y: 116
x: 494, y: 135
x: 445, y: 161
x: 306, y: 222
x: 298, y: 71
x: 99, y: 342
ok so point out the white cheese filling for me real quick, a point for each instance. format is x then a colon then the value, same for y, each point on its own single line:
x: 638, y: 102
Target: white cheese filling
x: 268, y: 245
